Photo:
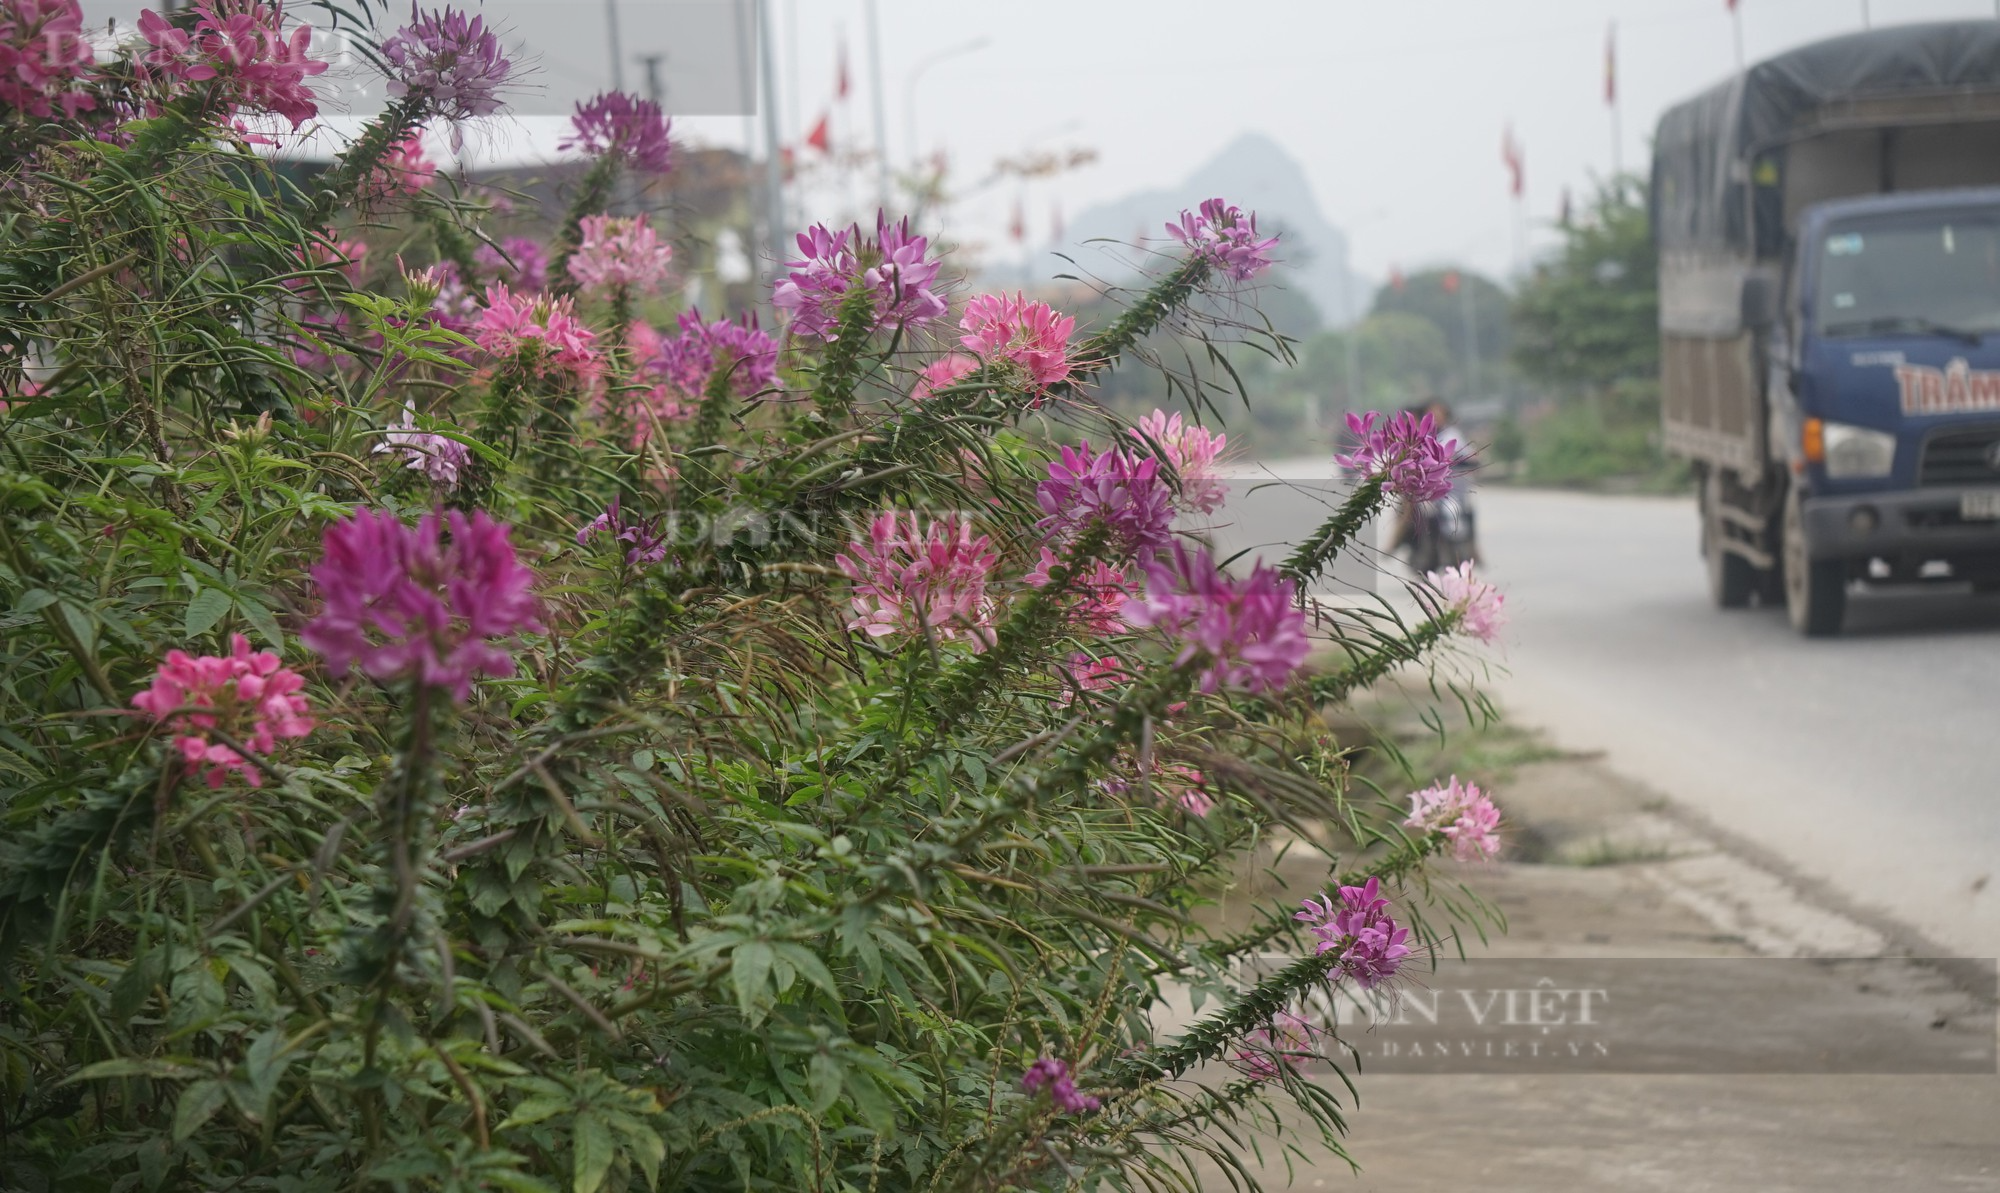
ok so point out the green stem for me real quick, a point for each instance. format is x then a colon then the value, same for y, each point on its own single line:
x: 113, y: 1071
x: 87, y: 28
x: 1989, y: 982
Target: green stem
x: 342, y: 184
x: 1331, y: 689
x: 593, y: 193
x: 1337, y: 531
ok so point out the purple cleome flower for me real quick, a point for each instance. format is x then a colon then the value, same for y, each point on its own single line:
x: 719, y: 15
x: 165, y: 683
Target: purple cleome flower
x: 438, y: 457
x: 831, y: 264
x: 689, y: 360
x: 519, y: 262
x: 616, y: 123
x: 1405, y: 450
x: 1121, y: 492
x: 648, y: 546
x: 1226, y: 236
x: 1053, y: 1075
x: 1250, y: 632
x: 916, y: 581
x: 1365, y: 939
x: 451, y: 61
x: 402, y: 602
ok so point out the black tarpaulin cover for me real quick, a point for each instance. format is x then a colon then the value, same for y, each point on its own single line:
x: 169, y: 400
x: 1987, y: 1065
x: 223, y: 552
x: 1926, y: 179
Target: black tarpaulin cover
x: 1697, y: 195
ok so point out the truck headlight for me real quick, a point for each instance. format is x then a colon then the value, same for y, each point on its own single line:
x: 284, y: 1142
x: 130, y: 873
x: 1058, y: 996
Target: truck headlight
x: 1858, y: 451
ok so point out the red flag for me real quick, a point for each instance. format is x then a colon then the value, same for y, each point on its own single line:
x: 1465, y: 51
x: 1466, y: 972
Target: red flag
x: 1018, y: 229
x: 840, y: 82
x: 821, y: 136
x: 1732, y: 5
x: 1515, y: 161
x: 1450, y: 281
x: 1611, y: 65
x: 1396, y: 278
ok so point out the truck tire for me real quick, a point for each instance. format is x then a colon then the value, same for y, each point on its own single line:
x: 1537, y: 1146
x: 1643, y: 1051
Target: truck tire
x: 1815, y: 589
x: 1731, y: 578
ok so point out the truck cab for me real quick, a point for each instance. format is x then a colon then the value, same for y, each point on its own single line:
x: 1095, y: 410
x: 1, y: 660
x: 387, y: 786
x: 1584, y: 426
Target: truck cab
x: 1828, y: 224
x: 1886, y: 394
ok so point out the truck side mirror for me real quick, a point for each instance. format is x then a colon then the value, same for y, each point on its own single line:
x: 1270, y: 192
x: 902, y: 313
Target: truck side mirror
x: 1759, y: 302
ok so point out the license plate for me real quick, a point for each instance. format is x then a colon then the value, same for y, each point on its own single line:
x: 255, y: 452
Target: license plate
x: 1980, y: 505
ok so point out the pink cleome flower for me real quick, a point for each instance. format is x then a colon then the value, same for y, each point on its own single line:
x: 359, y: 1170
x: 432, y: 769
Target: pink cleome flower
x: 1367, y: 943
x: 1226, y: 236
x: 1030, y: 334
x: 537, y: 331
x: 620, y: 253
x: 239, y: 48
x: 940, y: 373
x: 1272, y: 1051
x: 252, y: 697
x: 908, y: 581
x: 404, y: 169
x: 438, y: 457
x: 44, y: 58
x: 613, y: 123
x: 892, y: 268
x: 1405, y: 451
x: 409, y: 603
x: 1477, y: 603
x: 454, y: 63
x: 1100, y: 595
x: 647, y: 544
x: 1053, y: 1075
x: 1249, y: 634
x: 1192, y: 450
x: 1087, y: 674
x: 1115, y: 490
x: 1463, y: 813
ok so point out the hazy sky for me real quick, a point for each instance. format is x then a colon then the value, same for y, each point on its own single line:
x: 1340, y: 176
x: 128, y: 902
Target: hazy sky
x: 1394, y: 107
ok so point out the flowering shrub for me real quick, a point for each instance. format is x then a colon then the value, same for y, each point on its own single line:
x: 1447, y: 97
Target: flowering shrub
x: 571, y: 756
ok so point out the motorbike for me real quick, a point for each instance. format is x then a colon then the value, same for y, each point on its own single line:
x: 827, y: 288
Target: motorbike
x: 1444, y: 533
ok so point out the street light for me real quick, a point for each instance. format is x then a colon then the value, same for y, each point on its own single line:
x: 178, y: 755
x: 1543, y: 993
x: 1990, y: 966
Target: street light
x: 916, y: 73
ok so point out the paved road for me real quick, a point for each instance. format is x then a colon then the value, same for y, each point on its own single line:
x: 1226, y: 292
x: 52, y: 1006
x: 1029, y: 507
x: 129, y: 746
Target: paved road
x: 1870, y: 762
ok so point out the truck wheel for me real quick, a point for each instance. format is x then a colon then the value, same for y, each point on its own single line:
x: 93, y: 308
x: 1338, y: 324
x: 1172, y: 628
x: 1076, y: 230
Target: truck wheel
x: 1731, y: 578
x: 1815, y: 589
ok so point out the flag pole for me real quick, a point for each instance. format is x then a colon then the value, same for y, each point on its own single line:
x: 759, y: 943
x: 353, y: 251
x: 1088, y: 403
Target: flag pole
x: 774, y: 173
x: 1611, y: 99
x: 1736, y: 20
x: 881, y: 120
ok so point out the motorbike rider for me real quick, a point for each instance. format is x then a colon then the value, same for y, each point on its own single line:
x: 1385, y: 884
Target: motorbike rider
x: 1412, y: 520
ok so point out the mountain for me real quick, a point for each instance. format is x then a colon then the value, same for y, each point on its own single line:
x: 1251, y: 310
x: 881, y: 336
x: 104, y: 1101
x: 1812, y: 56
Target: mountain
x: 1255, y: 173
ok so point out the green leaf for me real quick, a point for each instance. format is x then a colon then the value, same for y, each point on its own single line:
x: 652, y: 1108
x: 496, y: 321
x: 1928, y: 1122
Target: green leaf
x: 643, y: 1144
x: 197, y: 1105
x: 534, y: 1110
x: 750, y: 972
x: 824, y: 1078
x: 204, y: 609
x: 594, y: 1153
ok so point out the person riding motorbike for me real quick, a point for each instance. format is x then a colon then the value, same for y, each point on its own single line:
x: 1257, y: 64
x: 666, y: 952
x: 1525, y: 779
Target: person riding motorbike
x: 1441, y: 533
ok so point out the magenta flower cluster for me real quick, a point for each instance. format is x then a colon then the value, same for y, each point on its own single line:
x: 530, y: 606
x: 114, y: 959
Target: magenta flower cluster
x: 1248, y: 633
x: 1193, y: 451
x: 1463, y: 813
x: 920, y: 583
x: 1478, y: 604
x: 1053, y: 1075
x: 646, y: 544
x: 44, y: 58
x: 240, y: 49
x: 518, y: 261
x: 892, y: 268
x: 625, y: 126
x: 1367, y: 944
x: 1405, y: 450
x: 944, y: 371
x: 1221, y: 232
x: 1030, y: 335
x: 439, y: 457
x: 1120, y: 492
x: 251, y: 696
x: 450, y: 61
x: 537, y: 331
x: 437, y: 603
x: 688, y: 361
x: 404, y: 170
x: 1286, y: 1043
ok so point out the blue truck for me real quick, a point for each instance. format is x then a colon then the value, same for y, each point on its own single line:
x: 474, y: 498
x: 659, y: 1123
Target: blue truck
x: 1828, y: 224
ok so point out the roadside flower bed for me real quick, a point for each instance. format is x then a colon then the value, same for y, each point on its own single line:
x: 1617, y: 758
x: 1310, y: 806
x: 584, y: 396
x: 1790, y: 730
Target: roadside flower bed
x: 462, y: 734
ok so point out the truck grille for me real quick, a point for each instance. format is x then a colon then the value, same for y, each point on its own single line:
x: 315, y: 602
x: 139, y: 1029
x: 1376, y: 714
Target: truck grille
x: 1970, y: 457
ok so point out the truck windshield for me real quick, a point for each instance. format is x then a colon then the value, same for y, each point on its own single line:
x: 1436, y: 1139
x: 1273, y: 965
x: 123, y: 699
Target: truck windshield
x: 1926, y: 274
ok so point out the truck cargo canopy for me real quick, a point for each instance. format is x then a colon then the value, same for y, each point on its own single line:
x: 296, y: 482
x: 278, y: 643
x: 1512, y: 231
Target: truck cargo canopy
x: 1903, y: 75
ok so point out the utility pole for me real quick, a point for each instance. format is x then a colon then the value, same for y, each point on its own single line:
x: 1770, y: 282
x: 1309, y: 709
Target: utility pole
x: 655, y: 90
x: 1864, y: 14
x: 617, y: 46
x: 881, y: 119
x: 1471, y: 310
x: 774, y: 171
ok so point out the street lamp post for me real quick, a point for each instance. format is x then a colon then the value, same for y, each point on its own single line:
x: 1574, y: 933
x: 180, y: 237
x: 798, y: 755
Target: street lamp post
x: 917, y: 73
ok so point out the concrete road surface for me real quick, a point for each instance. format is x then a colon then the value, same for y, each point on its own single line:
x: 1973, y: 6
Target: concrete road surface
x: 1870, y: 762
